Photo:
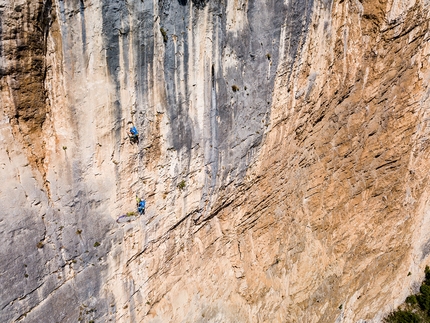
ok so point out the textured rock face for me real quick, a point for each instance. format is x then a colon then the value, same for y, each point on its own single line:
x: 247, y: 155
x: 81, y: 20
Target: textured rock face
x: 283, y: 155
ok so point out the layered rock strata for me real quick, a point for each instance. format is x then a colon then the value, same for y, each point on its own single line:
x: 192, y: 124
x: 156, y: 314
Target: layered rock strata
x: 282, y: 153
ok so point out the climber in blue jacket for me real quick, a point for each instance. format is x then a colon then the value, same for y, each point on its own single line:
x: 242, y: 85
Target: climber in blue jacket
x: 134, y: 135
x: 141, y: 207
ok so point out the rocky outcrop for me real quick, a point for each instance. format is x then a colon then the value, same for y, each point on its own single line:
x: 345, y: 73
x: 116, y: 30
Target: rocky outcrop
x: 282, y: 155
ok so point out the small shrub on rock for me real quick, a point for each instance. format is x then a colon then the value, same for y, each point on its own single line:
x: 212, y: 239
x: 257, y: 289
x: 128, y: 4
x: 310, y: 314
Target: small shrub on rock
x: 416, y: 308
x: 181, y: 185
x: 411, y: 300
x: 403, y: 316
x: 164, y: 34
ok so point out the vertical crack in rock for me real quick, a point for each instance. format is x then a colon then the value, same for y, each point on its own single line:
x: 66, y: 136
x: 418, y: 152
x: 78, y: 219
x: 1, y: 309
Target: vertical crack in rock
x: 83, y: 27
x: 214, y: 159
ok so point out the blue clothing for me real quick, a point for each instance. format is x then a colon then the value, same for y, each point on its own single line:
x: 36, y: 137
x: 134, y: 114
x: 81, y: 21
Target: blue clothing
x: 141, y: 207
x: 134, y: 131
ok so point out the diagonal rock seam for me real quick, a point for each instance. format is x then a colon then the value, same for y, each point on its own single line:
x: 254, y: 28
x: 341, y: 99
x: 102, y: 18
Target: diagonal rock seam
x: 283, y: 155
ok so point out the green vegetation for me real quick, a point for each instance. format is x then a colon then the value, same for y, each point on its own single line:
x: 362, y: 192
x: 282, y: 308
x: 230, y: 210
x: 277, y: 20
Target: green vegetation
x: 79, y: 231
x: 40, y: 244
x: 235, y: 88
x: 416, y: 308
x: 181, y: 185
x: 164, y: 33
x: 411, y: 300
x: 403, y: 316
x: 96, y: 244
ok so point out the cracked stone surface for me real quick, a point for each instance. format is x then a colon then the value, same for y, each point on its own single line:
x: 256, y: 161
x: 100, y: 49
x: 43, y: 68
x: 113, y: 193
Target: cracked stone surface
x: 283, y: 155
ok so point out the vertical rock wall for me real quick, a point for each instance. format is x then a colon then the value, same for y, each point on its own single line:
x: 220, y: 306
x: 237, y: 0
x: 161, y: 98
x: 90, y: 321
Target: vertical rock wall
x: 282, y: 154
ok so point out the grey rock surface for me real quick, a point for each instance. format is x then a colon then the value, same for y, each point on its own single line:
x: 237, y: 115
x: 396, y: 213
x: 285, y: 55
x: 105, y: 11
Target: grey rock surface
x: 262, y: 126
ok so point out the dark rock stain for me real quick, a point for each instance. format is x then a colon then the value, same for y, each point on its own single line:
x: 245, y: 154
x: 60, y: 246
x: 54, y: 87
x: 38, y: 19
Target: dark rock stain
x: 425, y: 250
x: 256, y: 49
x: 200, y: 4
x: 44, y: 20
x: 64, y: 31
x: 299, y: 14
x: 1, y: 42
x: 236, y: 116
x: 83, y: 28
x: 115, y: 17
x: 177, y: 102
x: 24, y: 60
x: 143, y: 49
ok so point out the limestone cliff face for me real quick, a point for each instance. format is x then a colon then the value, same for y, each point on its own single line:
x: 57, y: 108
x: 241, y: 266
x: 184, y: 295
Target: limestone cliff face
x: 283, y: 156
